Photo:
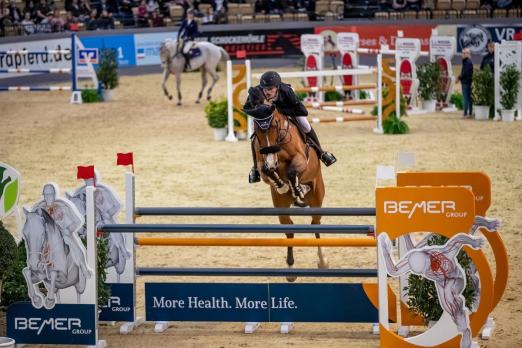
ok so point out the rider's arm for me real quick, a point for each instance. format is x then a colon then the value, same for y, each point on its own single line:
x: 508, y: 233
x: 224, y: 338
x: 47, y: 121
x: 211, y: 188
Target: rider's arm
x: 291, y: 105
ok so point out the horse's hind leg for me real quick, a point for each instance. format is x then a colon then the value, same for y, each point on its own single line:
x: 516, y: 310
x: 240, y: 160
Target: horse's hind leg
x: 317, y: 202
x: 203, y: 83
x: 215, y: 78
x: 166, y: 74
x: 178, y: 86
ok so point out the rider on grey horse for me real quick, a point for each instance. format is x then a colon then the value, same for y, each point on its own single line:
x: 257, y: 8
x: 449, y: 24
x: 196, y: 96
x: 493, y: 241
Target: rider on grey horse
x: 187, y: 34
x: 271, y: 91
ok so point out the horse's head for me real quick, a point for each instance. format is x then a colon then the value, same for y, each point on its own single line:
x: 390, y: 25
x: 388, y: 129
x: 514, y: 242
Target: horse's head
x: 166, y: 53
x: 271, y: 129
x: 34, y: 233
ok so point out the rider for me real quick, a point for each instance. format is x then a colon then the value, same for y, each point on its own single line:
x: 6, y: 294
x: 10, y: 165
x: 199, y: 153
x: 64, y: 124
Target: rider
x: 68, y: 221
x: 271, y: 91
x: 187, y: 34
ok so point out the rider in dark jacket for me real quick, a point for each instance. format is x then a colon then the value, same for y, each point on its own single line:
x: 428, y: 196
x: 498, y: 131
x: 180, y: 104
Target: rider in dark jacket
x: 271, y: 91
x: 188, y: 32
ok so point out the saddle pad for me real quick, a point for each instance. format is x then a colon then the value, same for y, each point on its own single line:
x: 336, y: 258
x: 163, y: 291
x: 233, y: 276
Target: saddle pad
x: 195, y: 52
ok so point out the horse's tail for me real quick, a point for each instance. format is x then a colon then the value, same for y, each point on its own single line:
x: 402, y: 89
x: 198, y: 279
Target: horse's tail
x: 224, y: 54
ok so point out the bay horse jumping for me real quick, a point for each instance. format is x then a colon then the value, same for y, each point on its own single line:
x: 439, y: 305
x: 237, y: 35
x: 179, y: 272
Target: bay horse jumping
x: 292, y: 169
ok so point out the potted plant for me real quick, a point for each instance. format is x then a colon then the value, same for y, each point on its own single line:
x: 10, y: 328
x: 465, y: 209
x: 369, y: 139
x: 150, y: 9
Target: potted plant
x: 217, y: 117
x: 428, y: 75
x: 8, y: 258
x: 108, y: 72
x: 482, y: 93
x: 509, y: 89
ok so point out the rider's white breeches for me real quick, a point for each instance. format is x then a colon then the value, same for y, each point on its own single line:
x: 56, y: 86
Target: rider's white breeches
x: 187, y: 46
x: 303, y: 123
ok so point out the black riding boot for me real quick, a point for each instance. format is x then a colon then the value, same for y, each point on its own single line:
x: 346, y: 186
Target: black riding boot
x: 253, y: 176
x: 187, y: 61
x: 327, y: 158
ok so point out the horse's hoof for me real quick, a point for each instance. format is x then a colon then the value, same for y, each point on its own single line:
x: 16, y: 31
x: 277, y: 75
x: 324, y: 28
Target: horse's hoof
x: 291, y: 279
x: 197, y: 101
x: 170, y: 97
x: 283, y: 189
x: 49, y: 303
x: 209, y: 97
x: 323, y: 264
x: 37, y: 301
x: 178, y: 103
x: 300, y: 203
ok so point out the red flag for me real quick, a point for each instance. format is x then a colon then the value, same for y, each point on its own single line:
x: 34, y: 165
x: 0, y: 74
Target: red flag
x: 86, y: 172
x: 125, y: 159
x: 518, y: 36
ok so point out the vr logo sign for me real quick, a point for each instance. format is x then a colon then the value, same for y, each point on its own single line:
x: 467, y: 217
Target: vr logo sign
x: 88, y: 55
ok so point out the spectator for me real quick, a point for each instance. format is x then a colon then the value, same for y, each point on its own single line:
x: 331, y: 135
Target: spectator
x: 57, y: 22
x: 466, y: 78
x: 152, y: 5
x: 208, y: 18
x: 28, y: 24
x: 4, y: 18
x: 489, y: 58
x: 141, y: 16
x: 220, y: 8
x: 274, y: 7
x: 71, y: 22
x: 45, y: 25
x: 41, y: 10
x: 29, y: 8
x: 156, y: 19
x: 259, y: 6
x: 105, y: 21
x: 14, y: 13
x: 104, y: 5
x: 92, y: 22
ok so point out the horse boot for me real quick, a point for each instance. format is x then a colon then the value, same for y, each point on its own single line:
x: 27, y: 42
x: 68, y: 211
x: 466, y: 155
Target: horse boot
x: 327, y: 158
x: 253, y: 176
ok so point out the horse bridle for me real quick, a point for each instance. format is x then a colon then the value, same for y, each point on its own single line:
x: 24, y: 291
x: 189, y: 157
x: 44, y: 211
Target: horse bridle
x: 280, y: 139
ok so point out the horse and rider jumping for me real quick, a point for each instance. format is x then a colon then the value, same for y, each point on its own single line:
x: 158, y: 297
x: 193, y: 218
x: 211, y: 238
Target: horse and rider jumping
x: 287, y: 152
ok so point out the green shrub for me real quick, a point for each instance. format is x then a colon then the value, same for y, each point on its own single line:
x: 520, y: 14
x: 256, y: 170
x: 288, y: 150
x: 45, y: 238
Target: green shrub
x: 217, y: 114
x: 364, y: 95
x: 482, y: 91
x: 91, y: 96
x: 14, y: 287
x: 458, y: 100
x: 8, y: 254
x: 509, y: 83
x: 429, y: 77
x: 423, y: 299
x: 394, y: 125
x: 104, y: 292
x: 332, y: 96
x: 301, y: 95
x: 108, y: 69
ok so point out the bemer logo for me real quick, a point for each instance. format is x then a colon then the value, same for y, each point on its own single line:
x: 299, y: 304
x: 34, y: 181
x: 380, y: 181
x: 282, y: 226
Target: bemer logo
x: 54, y: 324
x: 426, y: 207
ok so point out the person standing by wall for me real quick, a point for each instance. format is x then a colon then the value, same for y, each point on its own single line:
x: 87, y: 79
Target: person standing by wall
x: 466, y: 78
x: 489, y: 58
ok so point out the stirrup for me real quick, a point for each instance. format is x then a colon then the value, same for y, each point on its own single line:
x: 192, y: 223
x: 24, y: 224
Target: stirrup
x: 254, y: 176
x: 328, y: 159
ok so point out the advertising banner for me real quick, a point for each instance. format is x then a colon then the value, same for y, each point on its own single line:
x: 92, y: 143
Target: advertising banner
x: 257, y: 302
x: 259, y: 43
x: 372, y: 36
x: 35, y: 61
x: 123, y: 44
x: 475, y: 37
x: 148, y: 45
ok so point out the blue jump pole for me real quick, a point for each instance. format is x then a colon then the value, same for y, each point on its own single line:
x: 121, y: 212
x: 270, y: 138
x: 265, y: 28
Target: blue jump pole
x: 256, y: 272
x: 209, y: 211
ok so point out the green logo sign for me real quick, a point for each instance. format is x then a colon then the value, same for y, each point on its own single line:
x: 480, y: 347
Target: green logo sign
x: 9, y: 189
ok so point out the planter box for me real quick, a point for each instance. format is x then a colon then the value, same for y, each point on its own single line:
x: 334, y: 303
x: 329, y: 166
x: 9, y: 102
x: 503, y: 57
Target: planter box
x: 107, y: 95
x: 508, y: 115
x: 220, y: 134
x: 6, y: 342
x: 429, y: 105
x: 481, y: 112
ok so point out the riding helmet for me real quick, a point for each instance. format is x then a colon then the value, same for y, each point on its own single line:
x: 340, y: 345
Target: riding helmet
x: 270, y: 79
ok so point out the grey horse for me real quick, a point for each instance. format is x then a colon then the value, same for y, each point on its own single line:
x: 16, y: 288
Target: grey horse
x: 173, y: 63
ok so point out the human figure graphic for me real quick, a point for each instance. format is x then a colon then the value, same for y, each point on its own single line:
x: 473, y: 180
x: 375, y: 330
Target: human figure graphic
x: 439, y: 264
x: 68, y: 222
x: 488, y: 224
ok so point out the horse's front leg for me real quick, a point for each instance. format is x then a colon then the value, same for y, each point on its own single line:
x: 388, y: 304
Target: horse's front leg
x: 178, y: 86
x: 203, y: 83
x: 34, y: 294
x: 280, y: 186
x: 50, y: 300
x: 215, y: 78
x: 299, y: 191
x: 166, y: 74
x: 286, y: 220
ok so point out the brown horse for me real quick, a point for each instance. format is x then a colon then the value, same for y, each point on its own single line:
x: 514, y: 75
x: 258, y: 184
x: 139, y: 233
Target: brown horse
x: 291, y: 168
